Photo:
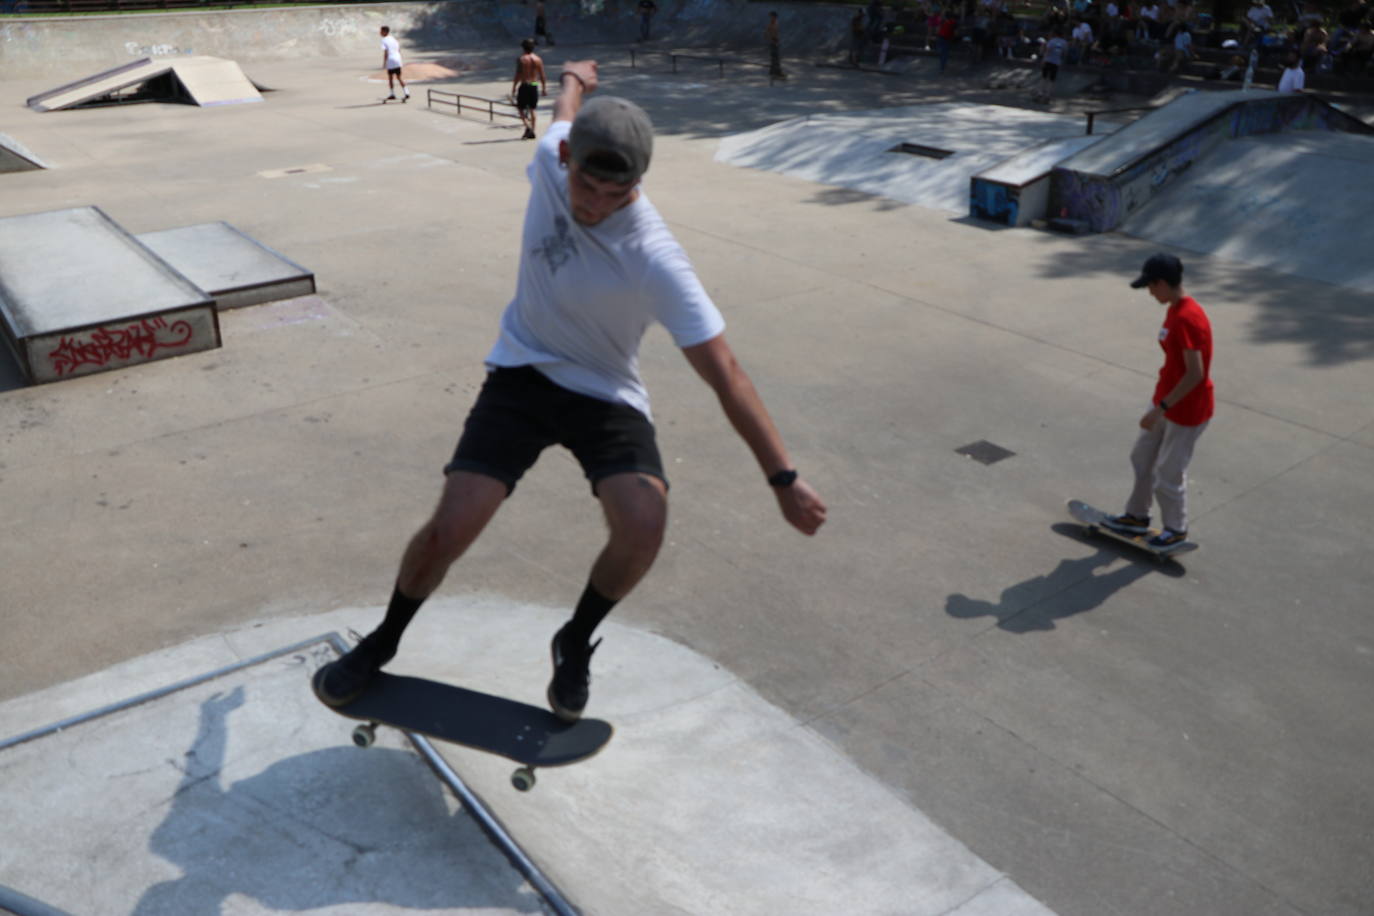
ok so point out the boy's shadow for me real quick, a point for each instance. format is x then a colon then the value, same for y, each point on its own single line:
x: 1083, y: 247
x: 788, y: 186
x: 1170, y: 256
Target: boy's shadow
x: 1072, y: 587
x: 324, y: 828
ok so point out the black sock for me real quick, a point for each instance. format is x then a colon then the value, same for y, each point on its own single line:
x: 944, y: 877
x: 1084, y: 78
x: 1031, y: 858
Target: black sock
x: 591, y: 609
x: 399, y: 613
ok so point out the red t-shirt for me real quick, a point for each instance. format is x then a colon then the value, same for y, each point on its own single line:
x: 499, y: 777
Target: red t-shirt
x: 1186, y: 328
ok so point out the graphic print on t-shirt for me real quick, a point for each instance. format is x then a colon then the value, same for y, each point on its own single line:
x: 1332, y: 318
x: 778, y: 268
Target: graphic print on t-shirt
x: 559, y: 248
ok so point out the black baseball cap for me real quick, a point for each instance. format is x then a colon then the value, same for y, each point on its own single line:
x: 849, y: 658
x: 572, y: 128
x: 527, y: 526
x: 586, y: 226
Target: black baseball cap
x: 1160, y: 266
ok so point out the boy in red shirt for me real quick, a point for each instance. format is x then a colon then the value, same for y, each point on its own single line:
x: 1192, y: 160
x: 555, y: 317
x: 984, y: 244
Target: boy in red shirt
x: 1182, y: 406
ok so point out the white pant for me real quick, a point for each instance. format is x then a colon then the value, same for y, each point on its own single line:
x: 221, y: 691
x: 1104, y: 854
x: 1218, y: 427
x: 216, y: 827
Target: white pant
x: 1160, y: 459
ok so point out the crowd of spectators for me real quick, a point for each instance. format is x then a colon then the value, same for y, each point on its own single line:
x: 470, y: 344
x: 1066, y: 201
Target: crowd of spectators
x: 1168, y: 34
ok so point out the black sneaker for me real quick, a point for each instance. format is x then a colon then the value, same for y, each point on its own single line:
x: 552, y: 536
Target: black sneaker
x: 571, y: 678
x: 1128, y: 524
x: 1167, y: 538
x: 341, y: 682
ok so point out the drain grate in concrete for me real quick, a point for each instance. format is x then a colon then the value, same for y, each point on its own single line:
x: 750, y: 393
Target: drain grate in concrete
x: 984, y: 452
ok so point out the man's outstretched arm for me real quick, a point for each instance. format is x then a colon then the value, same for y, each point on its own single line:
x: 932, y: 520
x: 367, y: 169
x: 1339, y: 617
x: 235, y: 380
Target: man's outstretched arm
x: 715, y: 362
x: 577, y: 80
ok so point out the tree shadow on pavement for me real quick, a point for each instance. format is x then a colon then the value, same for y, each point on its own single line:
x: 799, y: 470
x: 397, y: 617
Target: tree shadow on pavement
x: 1335, y: 324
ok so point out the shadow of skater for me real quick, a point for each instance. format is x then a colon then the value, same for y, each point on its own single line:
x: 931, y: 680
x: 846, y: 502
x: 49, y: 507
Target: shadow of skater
x: 324, y: 828
x: 1073, y: 587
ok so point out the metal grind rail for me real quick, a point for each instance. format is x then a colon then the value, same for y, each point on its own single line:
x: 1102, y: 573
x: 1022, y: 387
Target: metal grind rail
x: 15, y: 902
x: 720, y: 62
x: 461, y: 102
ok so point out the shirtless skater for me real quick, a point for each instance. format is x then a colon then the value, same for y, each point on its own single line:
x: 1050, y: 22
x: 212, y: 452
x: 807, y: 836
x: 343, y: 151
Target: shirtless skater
x: 528, y: 85
x: 597, y: 265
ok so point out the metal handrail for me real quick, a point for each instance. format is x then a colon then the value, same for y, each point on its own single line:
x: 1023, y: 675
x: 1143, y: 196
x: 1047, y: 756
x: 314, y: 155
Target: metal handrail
x: 459, y: 106
x: 675, y: 56
x: 1093, y: 114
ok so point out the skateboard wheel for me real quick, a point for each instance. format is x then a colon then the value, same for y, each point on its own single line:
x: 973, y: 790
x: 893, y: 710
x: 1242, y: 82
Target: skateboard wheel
x: 523, y: 779
x: 364, y: 735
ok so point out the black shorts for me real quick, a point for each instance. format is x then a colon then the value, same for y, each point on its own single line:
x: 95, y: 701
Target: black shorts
x: 520, y: 412
x: 539, y: 27
x: 1049, y: 71
x: 527, y: 97
x: 394, y: 71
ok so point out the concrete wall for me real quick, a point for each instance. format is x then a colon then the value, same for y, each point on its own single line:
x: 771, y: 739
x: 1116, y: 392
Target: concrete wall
x: 74, y: 47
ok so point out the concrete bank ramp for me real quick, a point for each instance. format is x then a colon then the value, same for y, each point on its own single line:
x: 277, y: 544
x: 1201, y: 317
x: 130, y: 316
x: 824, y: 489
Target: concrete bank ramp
x: 915, y: 154
x: 79, y: 294
x: 245, y: 793
x: 203, y: 81
x: 1294, y: 203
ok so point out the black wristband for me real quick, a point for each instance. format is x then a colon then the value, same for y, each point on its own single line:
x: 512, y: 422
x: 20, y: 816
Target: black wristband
x: 783, y: 478
x: 574, y: 76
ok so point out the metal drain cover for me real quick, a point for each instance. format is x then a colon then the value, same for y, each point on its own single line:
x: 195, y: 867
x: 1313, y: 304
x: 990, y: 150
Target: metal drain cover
x: 984, y: 452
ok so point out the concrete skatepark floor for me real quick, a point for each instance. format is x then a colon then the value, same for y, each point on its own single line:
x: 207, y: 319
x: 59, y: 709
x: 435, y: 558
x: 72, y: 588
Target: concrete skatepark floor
x: 1110, y: 737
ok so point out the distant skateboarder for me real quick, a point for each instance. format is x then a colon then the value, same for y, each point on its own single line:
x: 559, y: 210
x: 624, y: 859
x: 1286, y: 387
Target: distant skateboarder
x: 1055, y: 49
x: 529, y: 84
x: 598, y: 265
x: 647, y: 8
x: 391, y: 62
x: 1182, y: 407
x: 773, y: 33
x: 541, y: 25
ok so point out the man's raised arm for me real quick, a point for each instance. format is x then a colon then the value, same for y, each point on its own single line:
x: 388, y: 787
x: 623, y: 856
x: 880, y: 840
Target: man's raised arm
x: 577, y: 80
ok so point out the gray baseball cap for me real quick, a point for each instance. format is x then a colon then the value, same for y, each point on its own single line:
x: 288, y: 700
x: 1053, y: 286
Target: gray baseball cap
x: 612, y: 139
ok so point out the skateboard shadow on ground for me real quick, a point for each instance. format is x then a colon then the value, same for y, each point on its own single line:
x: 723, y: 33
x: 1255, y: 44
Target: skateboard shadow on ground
x: 326, y: 828
x: 1071, y: 588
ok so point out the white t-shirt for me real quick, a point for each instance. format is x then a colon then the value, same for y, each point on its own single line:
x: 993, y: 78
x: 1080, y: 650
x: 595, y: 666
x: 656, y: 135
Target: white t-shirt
x: 392, y: 47
x: 1260, y: 15
x: 1292, y: 80
x: 1083, y: 32
x: 586, y: 294
x: 1150, y: 12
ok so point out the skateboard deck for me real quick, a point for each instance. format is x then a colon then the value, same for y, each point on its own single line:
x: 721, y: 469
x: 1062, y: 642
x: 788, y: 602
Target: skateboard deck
x: 1094, y: 520
x: 529, y: 735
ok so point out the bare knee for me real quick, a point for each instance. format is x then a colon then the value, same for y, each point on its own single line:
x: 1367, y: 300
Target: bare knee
x: 637, y: 515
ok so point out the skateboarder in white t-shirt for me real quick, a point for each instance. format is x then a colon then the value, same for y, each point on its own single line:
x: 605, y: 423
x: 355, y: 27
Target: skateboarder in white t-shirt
x: 391, y: 63
x: 598, y: 265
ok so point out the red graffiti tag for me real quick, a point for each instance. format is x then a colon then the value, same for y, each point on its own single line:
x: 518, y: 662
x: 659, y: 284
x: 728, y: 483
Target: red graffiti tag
x: 142, y: 338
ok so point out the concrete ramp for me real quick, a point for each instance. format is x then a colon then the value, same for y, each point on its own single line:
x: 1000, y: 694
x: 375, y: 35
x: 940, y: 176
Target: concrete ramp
x: 79, y: 295
x: 235, y: 269
x: 15, y: 157
x: 916, y: 154
x: 204, y: 81
x: 1106, y: 183
x: 1291, y: 203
